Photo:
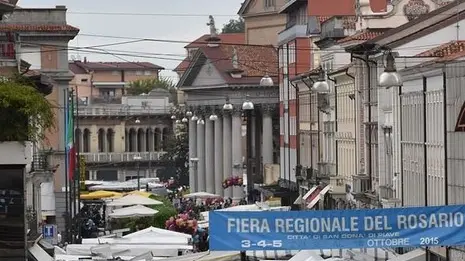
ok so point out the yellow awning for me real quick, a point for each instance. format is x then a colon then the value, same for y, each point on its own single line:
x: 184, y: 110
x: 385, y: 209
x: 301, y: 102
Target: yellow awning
x: 101, y: 194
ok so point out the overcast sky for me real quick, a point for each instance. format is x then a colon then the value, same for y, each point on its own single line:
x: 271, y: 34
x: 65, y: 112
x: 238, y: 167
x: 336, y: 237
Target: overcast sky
x: 156, y: 20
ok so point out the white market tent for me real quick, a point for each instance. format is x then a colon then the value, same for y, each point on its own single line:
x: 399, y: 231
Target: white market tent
x: 156, y: 232
x: 131, y: 200
x: 202, y: 195
x: 136, y: 241
x: 133, y: 211
x: 129, y: 250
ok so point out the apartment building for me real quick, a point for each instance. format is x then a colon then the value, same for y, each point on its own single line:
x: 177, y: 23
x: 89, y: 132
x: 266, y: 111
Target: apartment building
x: 35, y: 41
x: 106, y: 82
x: 119, y: 136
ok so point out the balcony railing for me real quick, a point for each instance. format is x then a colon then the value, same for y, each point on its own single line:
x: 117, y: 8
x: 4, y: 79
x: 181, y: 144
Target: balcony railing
x: 41, y: 162
x: 115, y: 157
x: 105, y: 99
x: 123, y: 110
x: 362, y: 184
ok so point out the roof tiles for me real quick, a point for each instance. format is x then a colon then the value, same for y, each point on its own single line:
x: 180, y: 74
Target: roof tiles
x: 364, y: 35
x: 446, y: 52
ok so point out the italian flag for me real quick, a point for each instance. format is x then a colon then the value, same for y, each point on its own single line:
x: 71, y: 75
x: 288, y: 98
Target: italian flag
x: 70, y: 149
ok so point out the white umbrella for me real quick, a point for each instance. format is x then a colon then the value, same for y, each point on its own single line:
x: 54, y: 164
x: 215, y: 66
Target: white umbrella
x: 131, y: 200
x: 134, y: 211
x: 202, y: 195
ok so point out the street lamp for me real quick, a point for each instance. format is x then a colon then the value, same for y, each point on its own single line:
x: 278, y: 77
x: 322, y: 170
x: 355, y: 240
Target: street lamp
x: 137, y: 121
x: 173, y: 117
x: 138, y: 158
x: 247, y: 105
x: 390, y: 77
x: 227, y: 105
x: 266, y: 81
x: 178, y: 121
x: 188, y: 113
x: 184, y: 120
x: 213, y: 117
x: 321, y: 86
x: 194, y: 118
x: 200, y: 122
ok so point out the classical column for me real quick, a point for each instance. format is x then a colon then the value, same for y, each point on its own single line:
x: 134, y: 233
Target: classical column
x: 192, y: 155
x: 267, y: 129
x: 238, y: 192
x: 201, y: 186
x: 209, y: 156
x: 227, y: 152
x: 219, y: 156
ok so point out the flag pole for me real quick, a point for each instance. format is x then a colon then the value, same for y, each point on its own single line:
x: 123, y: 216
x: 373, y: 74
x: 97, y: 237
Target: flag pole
x: 65, y: 104
x: 78, y: 166
x: 73, y: 169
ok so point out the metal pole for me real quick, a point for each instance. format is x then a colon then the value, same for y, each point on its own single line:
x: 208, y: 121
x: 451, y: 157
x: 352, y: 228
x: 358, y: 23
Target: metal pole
x: 78, y: 166
x: 67, y: 209
x: 250, y: 183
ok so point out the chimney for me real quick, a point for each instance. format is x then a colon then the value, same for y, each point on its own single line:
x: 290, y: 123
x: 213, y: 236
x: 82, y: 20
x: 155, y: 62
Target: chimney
x: 85, y: 59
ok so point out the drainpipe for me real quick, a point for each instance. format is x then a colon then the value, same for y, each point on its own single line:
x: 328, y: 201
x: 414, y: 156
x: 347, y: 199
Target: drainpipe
x: 355, y: 122
x: 310, y: 115
x: 446, y: 179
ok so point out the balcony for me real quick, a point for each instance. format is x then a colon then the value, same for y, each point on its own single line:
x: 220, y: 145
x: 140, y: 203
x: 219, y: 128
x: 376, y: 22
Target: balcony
x: 105, y: 99
x: 335, y: 28
x: 122, y: 110
x: 292, y: 32
x: 117, y: 157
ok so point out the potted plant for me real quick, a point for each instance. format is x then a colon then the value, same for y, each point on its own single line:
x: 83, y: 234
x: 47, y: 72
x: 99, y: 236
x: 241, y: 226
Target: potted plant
x: 26, y: 116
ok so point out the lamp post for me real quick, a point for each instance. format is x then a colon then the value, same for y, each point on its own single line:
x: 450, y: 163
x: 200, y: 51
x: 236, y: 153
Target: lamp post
x: 138, y: 158
x: 248, y: 108
x: 390, y: 77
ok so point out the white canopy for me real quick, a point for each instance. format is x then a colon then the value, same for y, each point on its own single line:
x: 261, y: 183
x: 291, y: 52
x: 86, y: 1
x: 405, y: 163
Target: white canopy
x: 133, y: 211
x: 136, y: 241
x: 129, y: 250
x: 131, y: 200
x: 202, y: 195
x: 156, y: 232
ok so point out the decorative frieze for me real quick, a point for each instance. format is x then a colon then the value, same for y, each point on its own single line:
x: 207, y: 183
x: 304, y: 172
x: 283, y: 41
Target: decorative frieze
x: 414, y: 8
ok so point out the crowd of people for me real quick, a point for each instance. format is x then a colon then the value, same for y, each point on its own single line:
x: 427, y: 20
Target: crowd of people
x: 189, y: 211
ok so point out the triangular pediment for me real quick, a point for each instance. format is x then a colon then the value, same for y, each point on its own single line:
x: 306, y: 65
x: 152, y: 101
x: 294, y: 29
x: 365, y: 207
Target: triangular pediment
x: 201, y: 72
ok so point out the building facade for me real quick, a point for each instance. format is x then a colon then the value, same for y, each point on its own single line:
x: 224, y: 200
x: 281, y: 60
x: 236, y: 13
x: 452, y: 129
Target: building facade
x: 262, y: 21
x: 106, y: 82
x: 215, y: 135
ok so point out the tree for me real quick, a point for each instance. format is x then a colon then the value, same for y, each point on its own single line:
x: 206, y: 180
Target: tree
x: 177, y: 158
x: 234, y: 26
x: 145, y: 86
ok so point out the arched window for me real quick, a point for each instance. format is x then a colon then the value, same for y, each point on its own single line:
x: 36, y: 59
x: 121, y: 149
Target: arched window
x: 78, y: 139
x: 86, y: 140
x: 101, y: 140
x: 110, y: 140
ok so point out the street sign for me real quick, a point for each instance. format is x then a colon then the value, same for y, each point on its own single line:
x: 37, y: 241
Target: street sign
x: 300, y: 230
x: 49, y: 231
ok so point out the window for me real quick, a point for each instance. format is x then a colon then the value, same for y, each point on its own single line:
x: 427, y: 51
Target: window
x: 147, y: 73
x: 115, y: 73
x: 145, y: 103
x: 292, y: 53
x: 139, y: 72
x: 270, y: 3
x: 108, y: 92
x: 84, y: 80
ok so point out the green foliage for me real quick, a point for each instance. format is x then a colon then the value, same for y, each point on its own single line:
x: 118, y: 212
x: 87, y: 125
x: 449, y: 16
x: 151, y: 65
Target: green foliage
x: 165, y: 211
x: 177, y: 157
x: 234, y: 26
x: 145, y: 86
x: 26, y: 113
